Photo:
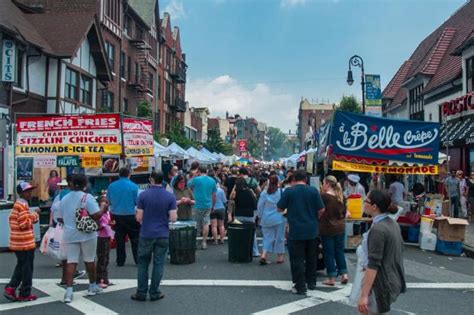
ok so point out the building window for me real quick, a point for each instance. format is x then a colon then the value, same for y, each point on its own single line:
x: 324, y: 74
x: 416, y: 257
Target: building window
x: 86, y: 90
x: 112, y: 10
x: 137, y: 73
x: 110, y: 52
x: 129, y: 68
x: 19, y: 69
x: 168, y: 93
x: 127, y: 26
x: 416, y: 103
x: 470, y: 74
x: 108, y: 100
x: 125, y: 105
x: 158, y: 92
x: 122, y: 65
x: 150, y: 82
x: 71, y: 84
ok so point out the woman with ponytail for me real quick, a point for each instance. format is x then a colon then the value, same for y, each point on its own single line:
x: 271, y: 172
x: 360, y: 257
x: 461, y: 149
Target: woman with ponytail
x: 384, y: 276
x: 332, y: 226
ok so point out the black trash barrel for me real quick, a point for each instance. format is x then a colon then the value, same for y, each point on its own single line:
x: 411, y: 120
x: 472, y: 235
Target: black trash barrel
x: 240, y: 240
x: 183, y: 243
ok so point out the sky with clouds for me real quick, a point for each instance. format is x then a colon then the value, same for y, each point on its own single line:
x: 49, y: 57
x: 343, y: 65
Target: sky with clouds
x: 258, y: 58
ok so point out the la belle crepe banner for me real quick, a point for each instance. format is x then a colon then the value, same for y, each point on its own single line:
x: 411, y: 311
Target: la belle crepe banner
x: 69, y: 135
x: 364, y: 168
x: 138, y: 137
x: 387, y: 139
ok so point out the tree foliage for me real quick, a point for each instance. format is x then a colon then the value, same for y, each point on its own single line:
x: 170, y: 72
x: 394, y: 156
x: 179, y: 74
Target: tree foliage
x: 279, y: 146
x: 254, y: 148
x: 216, y: 144
x: 349, y: 104
x: 176, y: 134
x: 144, y: 110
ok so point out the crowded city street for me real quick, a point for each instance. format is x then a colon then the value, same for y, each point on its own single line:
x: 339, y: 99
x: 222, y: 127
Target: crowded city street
x: 236, y: 157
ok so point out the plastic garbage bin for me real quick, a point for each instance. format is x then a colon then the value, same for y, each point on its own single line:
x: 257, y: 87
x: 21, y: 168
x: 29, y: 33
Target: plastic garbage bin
x: 240, y: 240
x: 183, y: 242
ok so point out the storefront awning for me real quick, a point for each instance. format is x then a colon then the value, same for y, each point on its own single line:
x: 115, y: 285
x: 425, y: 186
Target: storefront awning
x: 458, y: 132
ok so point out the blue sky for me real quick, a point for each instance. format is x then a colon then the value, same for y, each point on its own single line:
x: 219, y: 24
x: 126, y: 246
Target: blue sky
x: 259, y: 57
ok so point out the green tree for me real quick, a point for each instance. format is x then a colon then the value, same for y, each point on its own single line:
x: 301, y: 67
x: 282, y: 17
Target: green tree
x: 254, y: 148
x: 216, y: 144
x: 349, y: 104
x: 144, y: 110
x: 276, y: 143
x: 176, y: 134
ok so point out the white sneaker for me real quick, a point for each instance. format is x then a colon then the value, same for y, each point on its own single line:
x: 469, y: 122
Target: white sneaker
x: 94, y: 291
x: 68, y: 297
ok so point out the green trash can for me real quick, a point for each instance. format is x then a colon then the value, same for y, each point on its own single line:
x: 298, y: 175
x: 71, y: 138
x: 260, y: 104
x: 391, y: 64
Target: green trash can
x: 182, y: 242
x: 240, y: 240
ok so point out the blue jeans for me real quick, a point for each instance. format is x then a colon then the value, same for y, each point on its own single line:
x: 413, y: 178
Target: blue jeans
x: 148, y: 247
x: 333, y: 247
x: 274, y: 238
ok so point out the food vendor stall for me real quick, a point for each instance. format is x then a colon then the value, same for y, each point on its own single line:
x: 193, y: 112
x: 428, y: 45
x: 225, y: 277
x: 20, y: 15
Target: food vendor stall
x: 96, y: 145
x: 367, y: 144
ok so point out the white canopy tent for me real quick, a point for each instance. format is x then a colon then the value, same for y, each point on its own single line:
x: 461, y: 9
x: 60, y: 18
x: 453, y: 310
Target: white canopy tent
x: 161, y: 151
x: 195, y: 155
x: 178, y: 152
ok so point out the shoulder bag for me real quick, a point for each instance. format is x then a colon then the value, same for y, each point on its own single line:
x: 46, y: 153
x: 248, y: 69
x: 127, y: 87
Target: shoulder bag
x: 84, y: 222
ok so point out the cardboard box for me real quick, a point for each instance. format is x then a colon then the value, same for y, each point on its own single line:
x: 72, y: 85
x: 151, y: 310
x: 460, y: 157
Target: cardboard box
x: 451, y: 229
x: 445, y: 208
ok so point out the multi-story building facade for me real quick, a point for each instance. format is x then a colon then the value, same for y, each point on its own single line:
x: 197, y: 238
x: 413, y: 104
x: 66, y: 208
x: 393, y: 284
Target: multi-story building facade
x: 310, y: 118
x: 262, y: 137
x: 436, y: 84
x: 223, y: 125
x: 57, y: 61
x: 143, y: 52
x: 172, y: 76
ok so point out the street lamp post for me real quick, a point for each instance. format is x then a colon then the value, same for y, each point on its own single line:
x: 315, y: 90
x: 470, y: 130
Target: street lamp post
x: 357, y: 61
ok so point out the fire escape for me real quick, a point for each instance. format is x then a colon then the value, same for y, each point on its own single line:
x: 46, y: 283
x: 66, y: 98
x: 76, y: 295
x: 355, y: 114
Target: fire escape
x: 178, y: 74
x: 141, y: 79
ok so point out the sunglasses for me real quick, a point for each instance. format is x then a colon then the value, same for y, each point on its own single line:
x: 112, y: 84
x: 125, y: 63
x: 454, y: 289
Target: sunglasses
x: 368, y: 201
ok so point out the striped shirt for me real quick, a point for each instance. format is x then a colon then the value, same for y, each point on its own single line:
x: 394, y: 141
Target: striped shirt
x: 22, y: 236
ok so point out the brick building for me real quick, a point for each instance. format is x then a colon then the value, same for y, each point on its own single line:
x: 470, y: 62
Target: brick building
x: 310, y: 118
x: 143, y: 52
x: 172, y: 76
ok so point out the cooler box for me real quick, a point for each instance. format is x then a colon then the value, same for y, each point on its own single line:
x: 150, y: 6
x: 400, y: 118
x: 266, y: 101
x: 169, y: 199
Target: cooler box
x: 428, y: 241
x: 449, y: 248
x: 183, y: 242
x: 413, y: 233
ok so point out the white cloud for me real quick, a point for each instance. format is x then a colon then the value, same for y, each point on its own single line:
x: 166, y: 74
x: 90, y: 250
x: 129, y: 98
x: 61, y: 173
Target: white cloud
x: 176, y: 9
x: 292, y: 3
x: 259, y: 101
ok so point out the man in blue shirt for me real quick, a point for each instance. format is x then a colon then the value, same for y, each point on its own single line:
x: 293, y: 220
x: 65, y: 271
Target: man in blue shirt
x: 122, y: 196
x: 155, y: 209
x: 204, y: 190
x: 304, y: 206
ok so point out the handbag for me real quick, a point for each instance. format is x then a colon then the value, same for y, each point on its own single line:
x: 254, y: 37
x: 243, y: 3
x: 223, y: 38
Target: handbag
x: 84, y: 222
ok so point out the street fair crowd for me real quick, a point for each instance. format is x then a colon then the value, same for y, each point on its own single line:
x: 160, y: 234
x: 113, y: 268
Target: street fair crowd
x: 294, y: 217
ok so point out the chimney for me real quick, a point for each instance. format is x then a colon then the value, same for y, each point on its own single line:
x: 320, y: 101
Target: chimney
x: 227, y: 115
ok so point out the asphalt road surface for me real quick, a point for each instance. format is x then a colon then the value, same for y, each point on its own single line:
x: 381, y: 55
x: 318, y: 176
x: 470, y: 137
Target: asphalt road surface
x: 436, y: 285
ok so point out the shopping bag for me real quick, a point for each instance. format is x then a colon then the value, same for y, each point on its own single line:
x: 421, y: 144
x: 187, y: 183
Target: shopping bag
x: 45, y: 240
x: 55, y: 243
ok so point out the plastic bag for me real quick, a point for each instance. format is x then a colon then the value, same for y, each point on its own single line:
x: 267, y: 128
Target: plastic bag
x: 55, y: 243
x: 45, y: 240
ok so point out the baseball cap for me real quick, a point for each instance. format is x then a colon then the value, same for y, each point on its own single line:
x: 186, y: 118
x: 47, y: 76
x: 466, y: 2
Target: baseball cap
x: 24, y: 186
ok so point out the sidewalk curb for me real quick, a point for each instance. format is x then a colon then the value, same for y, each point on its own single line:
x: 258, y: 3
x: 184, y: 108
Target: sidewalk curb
x: 468, y: 250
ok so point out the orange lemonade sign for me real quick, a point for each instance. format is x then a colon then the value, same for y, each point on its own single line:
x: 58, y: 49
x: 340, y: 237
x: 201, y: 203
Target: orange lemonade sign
x: 387, y: 169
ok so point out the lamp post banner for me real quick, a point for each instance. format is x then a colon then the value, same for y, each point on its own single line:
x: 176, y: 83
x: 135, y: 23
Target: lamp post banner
x: 389, y: 139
